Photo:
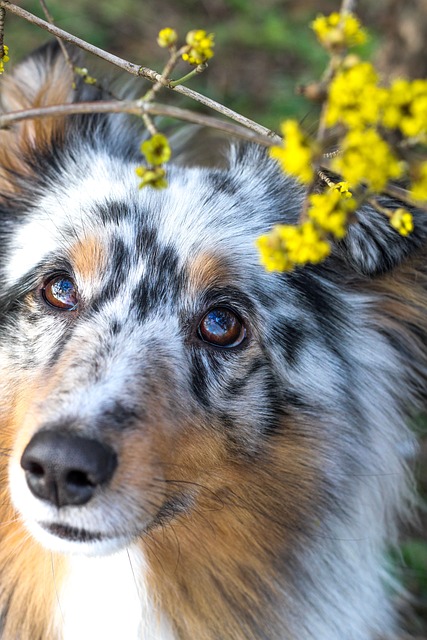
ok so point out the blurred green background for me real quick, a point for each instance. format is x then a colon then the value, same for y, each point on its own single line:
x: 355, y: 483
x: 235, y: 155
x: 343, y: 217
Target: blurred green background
x: 264, y: 50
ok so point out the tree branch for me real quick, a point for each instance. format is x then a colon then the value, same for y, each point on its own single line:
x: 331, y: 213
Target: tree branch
x: 138, y: 108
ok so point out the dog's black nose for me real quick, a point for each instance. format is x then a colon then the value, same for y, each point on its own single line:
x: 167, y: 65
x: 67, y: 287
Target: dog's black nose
x: 66, y: 469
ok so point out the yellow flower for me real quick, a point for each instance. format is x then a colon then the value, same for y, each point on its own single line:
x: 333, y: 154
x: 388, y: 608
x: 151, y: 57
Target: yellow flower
x: 200, y: 45
x: 354, y: 99
x: 286, y: 246
x: 331, y: 211
x: 297, y: 154
x: 272, y: 252
x: 155, y: 177
x: 307, y: 244
x: 4, y: 58
x: 156, y: 150
x: 84, y: 73
x: 167, y: 37
x: 419, y: 182
x: 338, y: 31
x: 402, y: 221
x: 367, y: 158
x: 342, y: 188
x: 406, y: 107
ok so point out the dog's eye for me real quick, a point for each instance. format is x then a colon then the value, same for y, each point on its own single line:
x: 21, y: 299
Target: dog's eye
x: 60, y: 292
x: 221, y: 327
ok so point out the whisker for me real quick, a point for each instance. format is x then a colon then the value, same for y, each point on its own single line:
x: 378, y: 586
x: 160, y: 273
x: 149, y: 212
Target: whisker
x: 52, y: 564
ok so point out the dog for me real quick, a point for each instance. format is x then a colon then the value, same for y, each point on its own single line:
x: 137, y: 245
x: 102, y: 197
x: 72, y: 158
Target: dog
x: 192, y: 447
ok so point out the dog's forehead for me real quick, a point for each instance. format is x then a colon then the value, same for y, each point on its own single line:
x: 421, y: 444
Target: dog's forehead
x: 97, y: 208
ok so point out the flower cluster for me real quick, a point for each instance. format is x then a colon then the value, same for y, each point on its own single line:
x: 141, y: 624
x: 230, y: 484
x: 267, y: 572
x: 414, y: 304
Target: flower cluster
x: 200, y: 47
x: 406, y: 107
x: 354, y: 98
x: 371, y: 115
x: 402, y: 221
x: 4, y: 58
x: 338, y: 31
x: 331, y: 210
x: 381, y: 132
x: 366, y: 157
x: 287, y: 246
x: 297, y: 154
x: 156, y: 151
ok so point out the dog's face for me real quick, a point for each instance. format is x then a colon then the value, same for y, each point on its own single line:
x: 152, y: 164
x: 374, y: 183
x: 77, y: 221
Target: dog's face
x: 139, y: 321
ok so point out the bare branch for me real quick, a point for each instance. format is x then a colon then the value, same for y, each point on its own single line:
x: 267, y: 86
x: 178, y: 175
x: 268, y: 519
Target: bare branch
x: 136, y: 70
x: 348, y: 6
x: 138, y: 108
x: 61, y: 44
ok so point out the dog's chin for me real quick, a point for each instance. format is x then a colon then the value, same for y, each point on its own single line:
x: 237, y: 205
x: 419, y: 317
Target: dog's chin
x: 64, y: 539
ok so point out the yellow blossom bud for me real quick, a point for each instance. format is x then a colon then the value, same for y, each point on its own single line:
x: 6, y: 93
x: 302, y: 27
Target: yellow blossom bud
x: 338, y: 31
x: 287, y: 246
x: 331, y: 211
x: 367, y: 158
x: 402, y: 221
x: 355, y: 99
x: 156, y: 150
x: 406, y: 107
x: 167, y: 37
x: 272, y: 252
x: 297, y: 154
x: 342, y: 188
x: 200, y: 45
x: 4, y: 58
x: 155, y: 177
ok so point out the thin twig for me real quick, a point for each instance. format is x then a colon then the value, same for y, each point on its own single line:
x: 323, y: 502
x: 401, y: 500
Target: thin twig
x: 139, y: 108
x: 136, y: 70
x: 61, y: 44
x: 348, y: 6
x: 167, y: 70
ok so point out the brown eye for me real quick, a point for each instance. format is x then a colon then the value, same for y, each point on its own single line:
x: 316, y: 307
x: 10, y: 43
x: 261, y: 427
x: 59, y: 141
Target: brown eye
x: 61, y: 292
x: 222, y: 328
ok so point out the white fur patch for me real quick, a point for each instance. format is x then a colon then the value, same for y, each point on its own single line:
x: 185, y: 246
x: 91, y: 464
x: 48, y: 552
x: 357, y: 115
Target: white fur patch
x: 106, y: 598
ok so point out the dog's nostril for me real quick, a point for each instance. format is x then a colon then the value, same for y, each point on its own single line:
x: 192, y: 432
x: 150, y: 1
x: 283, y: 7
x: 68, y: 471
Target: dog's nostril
x: 35, y: 469
x: 79, y: 479
x: 65, y: 469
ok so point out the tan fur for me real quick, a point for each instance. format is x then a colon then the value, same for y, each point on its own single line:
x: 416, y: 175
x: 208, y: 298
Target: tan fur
x: 89, y: 258
x: 207, y: 269
x: 23, y: 561
x: 236, y: 506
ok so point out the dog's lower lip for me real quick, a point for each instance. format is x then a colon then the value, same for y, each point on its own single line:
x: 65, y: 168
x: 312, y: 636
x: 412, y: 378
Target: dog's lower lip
x: 72, y: 534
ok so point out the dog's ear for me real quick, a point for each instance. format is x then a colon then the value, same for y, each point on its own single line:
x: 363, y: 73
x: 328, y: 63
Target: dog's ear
x: 44, y: 78
x: 372, y: 246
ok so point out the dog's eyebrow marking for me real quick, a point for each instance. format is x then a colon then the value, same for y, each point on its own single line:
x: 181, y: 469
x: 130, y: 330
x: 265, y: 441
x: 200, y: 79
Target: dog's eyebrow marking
x: 208, y: 269
x: 88, y: 257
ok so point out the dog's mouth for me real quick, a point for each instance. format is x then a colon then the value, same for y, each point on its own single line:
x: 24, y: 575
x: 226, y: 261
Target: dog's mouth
x: 72, y: 534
